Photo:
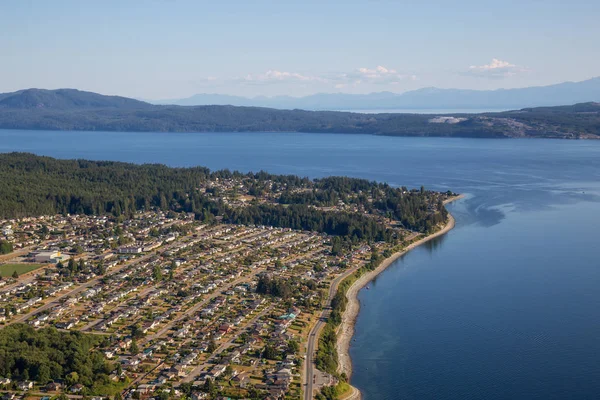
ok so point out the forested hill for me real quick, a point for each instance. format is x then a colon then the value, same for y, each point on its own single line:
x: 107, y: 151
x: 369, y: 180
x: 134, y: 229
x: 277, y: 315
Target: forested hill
x: 66, y: 100
x: 68, y: 109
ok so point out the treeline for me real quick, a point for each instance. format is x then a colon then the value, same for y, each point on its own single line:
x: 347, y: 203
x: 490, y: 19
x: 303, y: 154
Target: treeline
x: 417, y: 210
x: 302, y: 217
x: 327, y: 355
x: 32, y: 185
x: 47, y: 354
x: 273, y: 286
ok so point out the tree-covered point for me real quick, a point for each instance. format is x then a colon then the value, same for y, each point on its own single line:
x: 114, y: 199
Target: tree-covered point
x: 32, y: 185
x: 47, y: 354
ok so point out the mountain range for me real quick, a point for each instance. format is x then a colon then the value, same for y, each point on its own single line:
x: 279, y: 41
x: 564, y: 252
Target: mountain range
x: 74, y: 110
x: 422, y: 99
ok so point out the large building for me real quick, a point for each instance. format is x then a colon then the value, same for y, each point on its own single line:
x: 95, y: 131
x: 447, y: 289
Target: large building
x: 50, y: 257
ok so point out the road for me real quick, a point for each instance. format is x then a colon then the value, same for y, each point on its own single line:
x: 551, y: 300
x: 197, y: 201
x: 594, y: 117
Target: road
x: 313, y: 336
x: 93, y: 282
x: 198, y: 370
x: 217, y: 292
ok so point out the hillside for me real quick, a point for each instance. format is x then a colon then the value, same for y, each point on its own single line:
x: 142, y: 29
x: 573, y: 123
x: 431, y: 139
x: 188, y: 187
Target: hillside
x: 68, y: 109
x: 65, y: 99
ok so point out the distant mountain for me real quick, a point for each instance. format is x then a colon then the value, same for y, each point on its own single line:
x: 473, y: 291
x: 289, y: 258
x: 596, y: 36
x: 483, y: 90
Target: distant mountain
x: 68, y: 109
x: 66, y: 99
x: 427, y: 98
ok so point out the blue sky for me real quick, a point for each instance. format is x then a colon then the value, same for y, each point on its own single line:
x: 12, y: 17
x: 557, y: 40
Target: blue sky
x: 175, y: 48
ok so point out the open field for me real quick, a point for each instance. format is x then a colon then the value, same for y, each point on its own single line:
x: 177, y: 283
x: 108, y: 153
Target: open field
x: 7, y: 270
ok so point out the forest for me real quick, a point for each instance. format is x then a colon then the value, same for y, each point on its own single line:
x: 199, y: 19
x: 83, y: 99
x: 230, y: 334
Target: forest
x: 47, y: 355
x: 33, y: 185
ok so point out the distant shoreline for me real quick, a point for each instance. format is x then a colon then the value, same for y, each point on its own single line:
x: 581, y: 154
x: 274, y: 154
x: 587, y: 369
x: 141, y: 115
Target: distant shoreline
x: 346, y: 329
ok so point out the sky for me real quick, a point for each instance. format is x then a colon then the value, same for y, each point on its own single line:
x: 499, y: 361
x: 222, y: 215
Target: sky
x: 165, y: 49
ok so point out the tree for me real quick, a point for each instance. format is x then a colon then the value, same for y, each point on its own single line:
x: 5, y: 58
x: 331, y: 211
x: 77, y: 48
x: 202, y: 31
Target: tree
x: 209, y: 386
x: 186, y: 388
x: 5, y: 247
x: 72, y: 266
x: 212, y: 346
x: 101, y: 269
x: 136, y: 331
x: 163, y: 395
x: 118, y: 396
x: 269, y: 352
x: 72, y: 378
x: 15, y: 274
x: 292, y: 347
x: 134, y: 349
x: 43, y: 375
x: 156, y: 273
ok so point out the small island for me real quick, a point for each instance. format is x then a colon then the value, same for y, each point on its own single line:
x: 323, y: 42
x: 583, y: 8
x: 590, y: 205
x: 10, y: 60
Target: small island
x: 136, y: 281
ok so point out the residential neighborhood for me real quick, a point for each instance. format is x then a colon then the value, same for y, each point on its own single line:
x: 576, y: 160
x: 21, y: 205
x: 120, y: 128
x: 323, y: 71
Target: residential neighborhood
x: 177, y: 299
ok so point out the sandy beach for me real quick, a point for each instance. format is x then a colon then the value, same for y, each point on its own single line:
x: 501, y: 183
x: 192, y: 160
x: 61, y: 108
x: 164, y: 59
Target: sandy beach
x: 346, y: 328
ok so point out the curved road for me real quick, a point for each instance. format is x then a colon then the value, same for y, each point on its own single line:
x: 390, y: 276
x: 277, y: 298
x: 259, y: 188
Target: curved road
x: 315, y: 332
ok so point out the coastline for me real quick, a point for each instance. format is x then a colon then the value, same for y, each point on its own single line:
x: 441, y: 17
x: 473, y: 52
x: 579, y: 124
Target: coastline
x: 346, y: 329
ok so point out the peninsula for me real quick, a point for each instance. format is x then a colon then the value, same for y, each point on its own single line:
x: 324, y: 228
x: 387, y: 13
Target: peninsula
x: 209, y: 283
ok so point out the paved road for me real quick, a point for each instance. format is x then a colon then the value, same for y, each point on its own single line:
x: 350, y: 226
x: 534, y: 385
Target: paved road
x: 198, y: 370
x: 190, y: 311
x: 87, y: 285
x: 313, y: 337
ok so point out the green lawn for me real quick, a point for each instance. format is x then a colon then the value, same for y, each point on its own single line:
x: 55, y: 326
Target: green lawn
x: 8, y: 269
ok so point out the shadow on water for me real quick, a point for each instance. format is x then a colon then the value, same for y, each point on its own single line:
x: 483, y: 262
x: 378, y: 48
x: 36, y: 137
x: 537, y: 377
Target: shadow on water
x: 431, y: 246
x: 434, y: 244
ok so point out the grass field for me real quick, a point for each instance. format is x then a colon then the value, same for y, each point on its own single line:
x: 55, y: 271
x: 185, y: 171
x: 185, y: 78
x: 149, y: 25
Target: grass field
x: 8, y: 269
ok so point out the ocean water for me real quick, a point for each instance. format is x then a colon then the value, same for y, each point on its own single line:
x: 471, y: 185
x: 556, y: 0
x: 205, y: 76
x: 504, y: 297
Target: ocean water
x: 428, y: 110
x: 505, y: 306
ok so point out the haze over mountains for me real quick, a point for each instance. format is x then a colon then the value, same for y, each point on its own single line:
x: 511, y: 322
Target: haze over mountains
x: 426, y: 98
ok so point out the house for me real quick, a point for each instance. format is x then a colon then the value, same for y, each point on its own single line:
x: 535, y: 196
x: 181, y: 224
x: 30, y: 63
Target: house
x: 225, y: 328
x: 218, y: 370
x: 25, y: 385
x: 53, y: 387
x: 130, y: 250
x: 199, y: 395
x: 143, y: 389
x: 242, y: 379
x: 76, y: 388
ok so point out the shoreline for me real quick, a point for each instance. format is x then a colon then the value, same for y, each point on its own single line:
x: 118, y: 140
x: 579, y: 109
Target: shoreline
x: 345, y: 331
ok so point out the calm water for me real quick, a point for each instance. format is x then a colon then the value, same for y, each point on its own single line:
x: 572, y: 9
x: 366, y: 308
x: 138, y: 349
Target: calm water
x: 506, y: 306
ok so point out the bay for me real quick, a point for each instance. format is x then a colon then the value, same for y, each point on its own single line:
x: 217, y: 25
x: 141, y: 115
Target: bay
x: 506, y: 306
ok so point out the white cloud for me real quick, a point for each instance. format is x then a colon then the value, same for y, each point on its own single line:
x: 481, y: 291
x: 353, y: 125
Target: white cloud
x: 495, y: 69
x: 379, y: 75
x: 280, y: 76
